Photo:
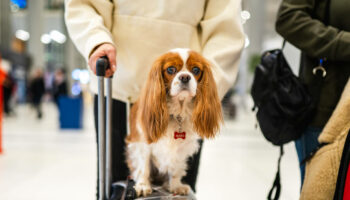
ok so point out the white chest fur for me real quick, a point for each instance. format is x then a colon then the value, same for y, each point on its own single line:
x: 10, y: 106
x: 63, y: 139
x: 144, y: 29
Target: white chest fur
x: 169, y: 153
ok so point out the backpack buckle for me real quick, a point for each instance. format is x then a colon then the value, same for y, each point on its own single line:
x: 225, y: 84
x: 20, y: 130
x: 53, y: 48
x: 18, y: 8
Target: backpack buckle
x: 320, y: 68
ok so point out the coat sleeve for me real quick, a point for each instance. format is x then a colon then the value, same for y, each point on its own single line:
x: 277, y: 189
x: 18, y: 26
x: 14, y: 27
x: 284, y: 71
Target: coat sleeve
x: 295, y: 24
x: 89, y: 23
x: 222, y: 40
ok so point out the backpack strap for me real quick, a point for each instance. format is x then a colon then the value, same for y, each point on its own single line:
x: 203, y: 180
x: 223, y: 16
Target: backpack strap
x: 283, y: 44
x: 277, y: 182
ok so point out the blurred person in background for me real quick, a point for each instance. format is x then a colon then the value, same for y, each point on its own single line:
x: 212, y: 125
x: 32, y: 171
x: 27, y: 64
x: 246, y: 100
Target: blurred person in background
x: 228, y: 105
x: 59, y: 85
x: 8, y: 88
x: 132, y: 34
x: 20, y: 66
x: 8, y: 91
x: 37, y: 91
x: 321, y: 30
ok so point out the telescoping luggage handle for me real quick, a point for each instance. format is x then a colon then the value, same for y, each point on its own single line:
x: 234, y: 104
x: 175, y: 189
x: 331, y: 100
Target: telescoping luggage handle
x: 104, y: 129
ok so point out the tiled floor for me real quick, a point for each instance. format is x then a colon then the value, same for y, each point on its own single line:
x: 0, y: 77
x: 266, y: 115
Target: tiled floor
x: 41, y: 162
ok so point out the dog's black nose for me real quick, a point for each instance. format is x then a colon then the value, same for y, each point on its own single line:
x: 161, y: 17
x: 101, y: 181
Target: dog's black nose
x: 185, y: 78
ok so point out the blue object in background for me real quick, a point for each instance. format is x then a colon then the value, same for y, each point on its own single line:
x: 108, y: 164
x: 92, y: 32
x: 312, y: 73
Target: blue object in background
x: 71, y: 112
x: 20, y: 3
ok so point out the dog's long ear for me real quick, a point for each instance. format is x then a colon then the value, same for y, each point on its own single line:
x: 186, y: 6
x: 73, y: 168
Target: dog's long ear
x: 207, y: 114
x: 153, y: 106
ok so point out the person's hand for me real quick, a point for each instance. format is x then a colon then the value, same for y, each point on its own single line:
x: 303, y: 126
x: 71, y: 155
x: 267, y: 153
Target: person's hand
x: 108, y: 50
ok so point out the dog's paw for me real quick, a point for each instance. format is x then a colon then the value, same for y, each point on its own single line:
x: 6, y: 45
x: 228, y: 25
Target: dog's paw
x: 182, y: 189
x: 143, y: 189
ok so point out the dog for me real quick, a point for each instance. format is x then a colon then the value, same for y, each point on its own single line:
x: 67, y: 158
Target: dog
x: 178, y: 105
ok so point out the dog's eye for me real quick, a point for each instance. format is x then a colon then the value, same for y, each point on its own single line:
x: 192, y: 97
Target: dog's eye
x: 196, y: 70
x: 171, y: 70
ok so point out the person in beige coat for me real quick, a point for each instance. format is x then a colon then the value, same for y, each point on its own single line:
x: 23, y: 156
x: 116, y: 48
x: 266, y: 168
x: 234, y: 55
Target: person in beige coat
x: 133, y: 33
x: 322, y: 170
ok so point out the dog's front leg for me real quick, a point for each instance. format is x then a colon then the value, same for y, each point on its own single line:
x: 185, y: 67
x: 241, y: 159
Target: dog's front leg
x: 140, y: 155
x: 175, y: 176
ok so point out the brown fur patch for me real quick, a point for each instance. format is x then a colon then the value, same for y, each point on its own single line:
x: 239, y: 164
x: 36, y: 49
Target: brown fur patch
x: 168, y: 60
x: 196, y: 60
x: 207, y: 114
x: 153, y: 114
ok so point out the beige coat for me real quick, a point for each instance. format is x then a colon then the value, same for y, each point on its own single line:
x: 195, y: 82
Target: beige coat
x: 322, y: 170
x: 142, y: 30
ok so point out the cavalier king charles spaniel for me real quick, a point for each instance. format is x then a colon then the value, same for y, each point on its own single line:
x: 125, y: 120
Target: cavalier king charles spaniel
x: 178, y: 105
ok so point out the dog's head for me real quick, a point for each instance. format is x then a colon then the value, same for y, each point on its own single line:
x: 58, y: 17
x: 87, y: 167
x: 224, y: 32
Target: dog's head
x: 183, y: 75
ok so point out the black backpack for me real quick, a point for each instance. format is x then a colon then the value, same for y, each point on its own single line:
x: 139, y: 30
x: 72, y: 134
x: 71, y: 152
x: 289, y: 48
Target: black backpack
x: 285, y: 107
x: 283, y: 102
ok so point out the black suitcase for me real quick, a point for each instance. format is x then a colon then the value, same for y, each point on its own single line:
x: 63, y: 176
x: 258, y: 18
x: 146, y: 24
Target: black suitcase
x: 123, y: 190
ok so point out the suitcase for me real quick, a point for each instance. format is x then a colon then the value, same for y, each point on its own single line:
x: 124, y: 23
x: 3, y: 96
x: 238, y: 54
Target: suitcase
x: 123, y: 190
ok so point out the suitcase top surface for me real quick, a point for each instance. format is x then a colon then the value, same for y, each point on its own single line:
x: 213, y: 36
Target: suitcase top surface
x: 160, y: 194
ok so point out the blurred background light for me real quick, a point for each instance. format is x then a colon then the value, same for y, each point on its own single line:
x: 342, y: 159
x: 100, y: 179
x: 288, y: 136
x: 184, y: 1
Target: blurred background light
x: 22, y: 35
x: 81, y: 75
x: 58, y: 36
x: 45, y: 38
x: 76, y: 74
x: 247, y: 42
x: 76, y: 89
x: 245, y: 15
x: 84, y: 76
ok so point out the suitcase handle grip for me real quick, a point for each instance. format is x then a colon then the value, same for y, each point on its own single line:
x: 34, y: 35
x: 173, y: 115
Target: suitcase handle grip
x: 102, y: 65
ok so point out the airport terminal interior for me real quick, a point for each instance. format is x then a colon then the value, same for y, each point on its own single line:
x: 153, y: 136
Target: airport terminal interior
x: 42, y: 156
